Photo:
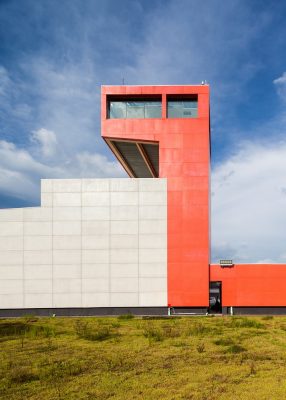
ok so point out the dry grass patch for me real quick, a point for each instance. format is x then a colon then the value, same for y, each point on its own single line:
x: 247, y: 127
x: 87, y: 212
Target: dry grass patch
x: 197, y: 358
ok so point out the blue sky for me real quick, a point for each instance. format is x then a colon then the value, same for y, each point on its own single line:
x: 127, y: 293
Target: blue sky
x: 54, y: 55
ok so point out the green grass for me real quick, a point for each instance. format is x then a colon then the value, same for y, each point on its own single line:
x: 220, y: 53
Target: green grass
x: 190, y: 358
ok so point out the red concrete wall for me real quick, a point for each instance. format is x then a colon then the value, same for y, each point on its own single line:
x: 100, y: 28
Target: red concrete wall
x: 184, y: 152
x: 251, y: 284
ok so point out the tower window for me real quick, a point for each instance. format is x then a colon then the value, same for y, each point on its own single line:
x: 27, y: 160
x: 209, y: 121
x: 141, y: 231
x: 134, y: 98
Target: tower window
x: 135, y: 109
x: 183, y: 107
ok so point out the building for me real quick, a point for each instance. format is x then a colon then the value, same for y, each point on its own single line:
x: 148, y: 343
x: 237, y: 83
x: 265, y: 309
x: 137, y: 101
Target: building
x: 140, y: 245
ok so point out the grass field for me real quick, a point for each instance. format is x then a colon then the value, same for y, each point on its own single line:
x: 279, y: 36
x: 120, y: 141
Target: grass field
x: 198, y: 358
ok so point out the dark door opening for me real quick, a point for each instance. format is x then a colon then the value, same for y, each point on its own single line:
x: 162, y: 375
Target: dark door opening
x: 215, y: 298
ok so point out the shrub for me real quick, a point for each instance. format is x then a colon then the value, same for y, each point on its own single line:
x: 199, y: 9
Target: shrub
x: 198, y: 329
x: 151, y: 332
x: 200, y: 348
x: 126, y: 316
x: 81, y: 328
x: 28, y: 318
x: 252, y: 368
x: 246, y: 323
x: 95, y: 332
x: 235, y: 349
x: 22, y: 374
x: 267, y: 317
x: 170, y: 331
x: 223, y: 341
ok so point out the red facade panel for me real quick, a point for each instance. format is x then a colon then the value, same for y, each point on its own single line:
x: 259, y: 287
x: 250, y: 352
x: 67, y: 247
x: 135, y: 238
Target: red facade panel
x: 251, y: 285
x: 184, y: 158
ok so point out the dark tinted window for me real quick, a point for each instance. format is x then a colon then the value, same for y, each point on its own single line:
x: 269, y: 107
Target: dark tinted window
x: 187, y: 108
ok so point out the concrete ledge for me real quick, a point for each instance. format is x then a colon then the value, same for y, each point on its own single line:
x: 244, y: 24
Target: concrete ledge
x: 84, y: 312
x: 258, y: 310
x: 188, y: 310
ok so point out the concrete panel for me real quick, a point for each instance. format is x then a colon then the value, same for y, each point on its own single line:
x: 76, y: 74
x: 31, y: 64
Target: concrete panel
x: 152, y: 212
x: 124, y: 241
x: 124, y: 270
x: 46, y: 199
x: 14, y: 214
x: 152, y: 285
x: 147, y: 256
x: 38, y: 242
x: 124, y: 185
x: 93, y: 199
x: 152, y: 198
x: 11, y: 257
x: 66, y: 213
x: 66, y: 285
x: 95, y: 185
x: 153, y: 299
x: 67, y: 242
x: 95, y: 300
x: 67, y: 199
x: 129, y: 256
x: 11, y: 286
x: 88, y: 255
x: 152, y: 226
x: 62, y: 228
x: 37, y: 228
x: 95, y: 227
x: 37, y: 214
x: 95, y: 271
x: 95, y: 256
x: 38, y: 271
x: 124, y: 300
x: 11, y: 301
x: 152, y: 185
x: 67, y: 256
x: 98, y: 285
x: 66, y: 185
x: 46, y: 185
x: 38, y: 286
x: 67, y: 300
x: 67, y: 271
x: 123, y: 198
x: 38, y: 257
x: 96, y: 213
x: 11, y: 272
x: 123, y: 213
x: 124, y: 285
x: 43, y: 300
x: 11, y: 242
x: 95, y: 242
x: 153, y: 270
x: 124, y: 227
x: 150, y: 241
x: 11, y: 228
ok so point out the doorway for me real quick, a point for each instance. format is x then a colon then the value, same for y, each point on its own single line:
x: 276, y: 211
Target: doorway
x: 215, y: 305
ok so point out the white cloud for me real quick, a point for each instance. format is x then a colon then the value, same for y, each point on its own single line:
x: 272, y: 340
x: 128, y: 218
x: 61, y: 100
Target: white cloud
x: 22, y: 169
x: 248, y: 204
x: 47, y: 141
x: 5, y: 81
x: 280, y: 84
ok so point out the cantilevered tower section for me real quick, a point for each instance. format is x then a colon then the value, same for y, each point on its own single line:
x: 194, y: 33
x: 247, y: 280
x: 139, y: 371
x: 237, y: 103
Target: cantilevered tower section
x: 164, y: 131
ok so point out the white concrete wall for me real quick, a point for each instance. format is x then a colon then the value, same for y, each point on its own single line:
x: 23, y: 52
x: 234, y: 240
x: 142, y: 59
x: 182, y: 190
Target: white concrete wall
x: 92, y: 243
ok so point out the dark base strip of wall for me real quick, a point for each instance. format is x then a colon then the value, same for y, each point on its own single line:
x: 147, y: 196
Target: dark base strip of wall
x: 258, y: 310
x: 84, y: 312
x: 188, y: 310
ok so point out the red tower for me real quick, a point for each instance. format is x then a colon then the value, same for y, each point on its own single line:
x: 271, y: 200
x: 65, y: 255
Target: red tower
x: 164, y: 131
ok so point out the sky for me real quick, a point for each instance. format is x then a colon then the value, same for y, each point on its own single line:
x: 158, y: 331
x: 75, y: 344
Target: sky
x: 55, y: 55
